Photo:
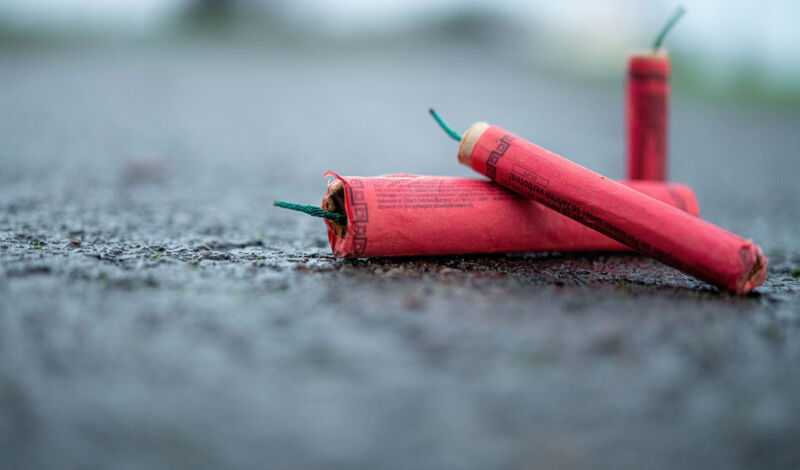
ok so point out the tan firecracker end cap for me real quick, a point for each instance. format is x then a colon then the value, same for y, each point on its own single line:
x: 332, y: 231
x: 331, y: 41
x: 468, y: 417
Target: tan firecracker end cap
x: 647, y: 54
x: 647, y: 62
x: 468, y: 142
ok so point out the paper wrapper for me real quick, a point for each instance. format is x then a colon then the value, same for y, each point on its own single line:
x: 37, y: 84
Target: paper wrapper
x: 647, y: 112
x: 641, y: 222
x: 407, y: 215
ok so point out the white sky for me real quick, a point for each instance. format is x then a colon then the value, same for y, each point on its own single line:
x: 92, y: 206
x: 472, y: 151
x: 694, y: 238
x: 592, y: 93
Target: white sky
x: 764, y: 32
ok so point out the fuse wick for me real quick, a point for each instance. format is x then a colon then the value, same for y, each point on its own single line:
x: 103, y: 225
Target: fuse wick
x: 315, y: 211
x: 444, y: 125
x: 668, y: 26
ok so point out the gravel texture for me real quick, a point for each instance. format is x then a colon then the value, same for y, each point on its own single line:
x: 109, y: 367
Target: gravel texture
x: 157, y: 312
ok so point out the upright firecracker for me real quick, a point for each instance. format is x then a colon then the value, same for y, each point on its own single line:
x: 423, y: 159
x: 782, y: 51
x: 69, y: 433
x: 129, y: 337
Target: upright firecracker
x: 647, y: 109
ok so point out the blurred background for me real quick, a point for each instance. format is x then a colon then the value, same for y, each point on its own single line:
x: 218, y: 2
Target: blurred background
x: 278, y: 92
x: 726, y: 48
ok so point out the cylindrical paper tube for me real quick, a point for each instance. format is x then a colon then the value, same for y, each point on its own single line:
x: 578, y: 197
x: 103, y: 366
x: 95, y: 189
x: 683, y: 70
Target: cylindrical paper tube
x: 647, y: 115
x: 406, y: 215
x: 666, y: 233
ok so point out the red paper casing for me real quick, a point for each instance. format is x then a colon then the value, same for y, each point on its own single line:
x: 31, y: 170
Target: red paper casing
x: 407, y: 215
x: 666, y: 233
x: 647, y: 113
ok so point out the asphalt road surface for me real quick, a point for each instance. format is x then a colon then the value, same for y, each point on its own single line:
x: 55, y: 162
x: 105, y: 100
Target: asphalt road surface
x: 196, y: 326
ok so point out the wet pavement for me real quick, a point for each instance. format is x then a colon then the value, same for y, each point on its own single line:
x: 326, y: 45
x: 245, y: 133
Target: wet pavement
x: 156, y: 311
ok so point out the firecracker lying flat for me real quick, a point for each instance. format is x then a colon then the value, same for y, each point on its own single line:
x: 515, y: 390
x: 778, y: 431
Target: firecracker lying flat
x: 409, y: 215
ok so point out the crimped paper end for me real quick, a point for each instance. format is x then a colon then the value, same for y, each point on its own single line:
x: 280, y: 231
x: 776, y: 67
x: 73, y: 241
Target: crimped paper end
x: 757, y: 274
x: 468, y: 142
x: 334, y: 201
